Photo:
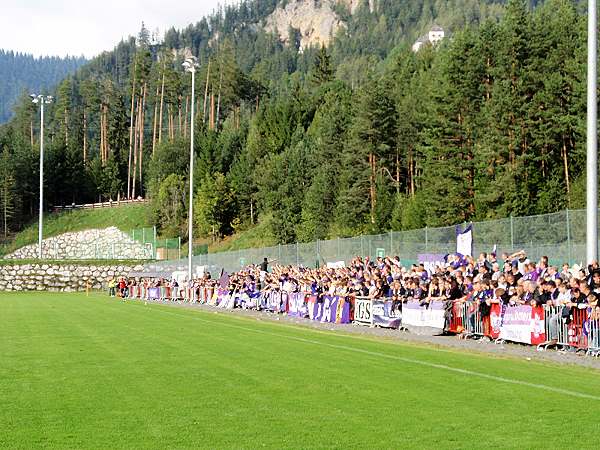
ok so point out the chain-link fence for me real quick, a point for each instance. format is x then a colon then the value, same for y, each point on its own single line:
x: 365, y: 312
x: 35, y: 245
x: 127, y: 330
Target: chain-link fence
x: 560, y: 236
x: 161, y: 249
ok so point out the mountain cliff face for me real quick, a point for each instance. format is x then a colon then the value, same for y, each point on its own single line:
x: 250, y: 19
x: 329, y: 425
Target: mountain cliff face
x: 316, y: 21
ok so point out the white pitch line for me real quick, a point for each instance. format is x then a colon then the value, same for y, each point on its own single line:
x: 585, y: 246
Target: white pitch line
x: 400, y: 358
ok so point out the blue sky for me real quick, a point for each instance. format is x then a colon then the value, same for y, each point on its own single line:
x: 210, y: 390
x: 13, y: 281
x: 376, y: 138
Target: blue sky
x: 76, y: 27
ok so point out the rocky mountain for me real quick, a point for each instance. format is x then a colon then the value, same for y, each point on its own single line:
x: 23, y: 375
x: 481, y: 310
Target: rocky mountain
x: 315, y: 22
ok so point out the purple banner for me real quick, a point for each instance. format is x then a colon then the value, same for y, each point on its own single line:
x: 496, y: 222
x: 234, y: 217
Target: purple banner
x: 330, y: 309
x: 296, y: 305
x: 275, y: 301
x: 384, y: 315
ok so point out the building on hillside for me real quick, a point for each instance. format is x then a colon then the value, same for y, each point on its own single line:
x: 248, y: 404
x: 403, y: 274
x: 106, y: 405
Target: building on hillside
x: 435, y: 35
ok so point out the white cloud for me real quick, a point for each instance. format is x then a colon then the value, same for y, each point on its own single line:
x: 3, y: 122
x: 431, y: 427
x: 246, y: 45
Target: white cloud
x: 61, y: 27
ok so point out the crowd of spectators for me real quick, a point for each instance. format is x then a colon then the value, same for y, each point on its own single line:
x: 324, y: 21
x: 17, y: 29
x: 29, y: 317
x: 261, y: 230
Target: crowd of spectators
x: 487, y: 279
x: 508, y: 280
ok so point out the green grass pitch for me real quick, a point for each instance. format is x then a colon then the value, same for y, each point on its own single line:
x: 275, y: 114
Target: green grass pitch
x: 93, y: 372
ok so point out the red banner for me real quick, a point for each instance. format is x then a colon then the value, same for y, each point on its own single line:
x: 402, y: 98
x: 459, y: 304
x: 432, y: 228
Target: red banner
x: 495, y: 320
x: 538, y: 330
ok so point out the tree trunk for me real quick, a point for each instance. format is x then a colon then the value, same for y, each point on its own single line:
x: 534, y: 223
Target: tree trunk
x: 135, y: 147
x: 219, y: 99
x: 101, y: 135
x: 397, y: 172
x: 142, y: 113
x: 162, y: 97
x: 206, y: 94
x: 372, y: 187
x: 180, y: 126
x: 84, y: 137
x: 185, y: 121
x: 106, y: 140
x: 212, y: 111
x: 66, y: 128
x: 565, y: 157
x: 154, y: 121
x: 171, y: 124
x: 132, y: 117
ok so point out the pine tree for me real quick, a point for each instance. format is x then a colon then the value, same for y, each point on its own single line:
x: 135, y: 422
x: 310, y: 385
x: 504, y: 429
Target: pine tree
x: 323, y: 72
x: 8, y: 196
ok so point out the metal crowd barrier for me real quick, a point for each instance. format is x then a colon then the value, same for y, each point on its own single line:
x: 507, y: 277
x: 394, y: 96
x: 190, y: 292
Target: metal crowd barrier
x: 594, y: 336
x: 455, y: 320
x: 474, y: 321
x: 580, y: 331
x: 467, y: 320
x: 556, y: 328
x: 577, y: 336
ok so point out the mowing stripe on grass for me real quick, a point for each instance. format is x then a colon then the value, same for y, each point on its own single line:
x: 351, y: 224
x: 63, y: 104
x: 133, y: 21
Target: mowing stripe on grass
x: 445, y: 367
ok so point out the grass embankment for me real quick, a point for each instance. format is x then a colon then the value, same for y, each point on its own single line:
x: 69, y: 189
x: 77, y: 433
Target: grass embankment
x: 93, y: 372
x: 258, y: 236
x: 125, y: 217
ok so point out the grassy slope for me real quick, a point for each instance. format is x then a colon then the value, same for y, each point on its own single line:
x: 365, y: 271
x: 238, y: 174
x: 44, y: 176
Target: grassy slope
x: 126, y: 218
x: 258, y: 236
x: 81, y: 372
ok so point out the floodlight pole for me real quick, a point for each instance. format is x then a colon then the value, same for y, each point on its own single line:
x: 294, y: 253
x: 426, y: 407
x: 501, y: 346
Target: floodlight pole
x: 592, y: 137
x: 41, y: 99
x: 190, y: 65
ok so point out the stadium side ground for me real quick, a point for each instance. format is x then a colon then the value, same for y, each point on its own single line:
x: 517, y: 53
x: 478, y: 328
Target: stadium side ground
x: 82, y: 372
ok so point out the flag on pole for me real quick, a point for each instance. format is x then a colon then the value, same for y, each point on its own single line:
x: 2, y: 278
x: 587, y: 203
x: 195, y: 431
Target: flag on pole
x: 224, y: 279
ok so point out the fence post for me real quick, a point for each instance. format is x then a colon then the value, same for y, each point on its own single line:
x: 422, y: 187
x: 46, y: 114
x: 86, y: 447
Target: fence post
x: 179, y: 247
x: 154, y: 244
x: 569, y: 238
x: 512, y: 234
x: 143, y: 235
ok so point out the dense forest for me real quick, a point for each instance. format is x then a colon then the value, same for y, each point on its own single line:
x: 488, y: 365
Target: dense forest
x: 20, y: 71
x: 362, y: 136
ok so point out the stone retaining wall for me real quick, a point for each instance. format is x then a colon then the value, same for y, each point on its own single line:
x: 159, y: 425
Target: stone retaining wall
x: 59, y: 277
x: 107, y: 243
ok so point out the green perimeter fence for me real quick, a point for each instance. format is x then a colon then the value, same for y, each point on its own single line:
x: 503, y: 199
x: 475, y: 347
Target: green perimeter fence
x: 161, y: 249
x: 560, y: 236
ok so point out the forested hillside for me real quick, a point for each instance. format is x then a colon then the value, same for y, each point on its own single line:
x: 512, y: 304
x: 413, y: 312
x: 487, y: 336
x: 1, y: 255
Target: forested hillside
x: 20, y: 72
x: 362, y: 136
